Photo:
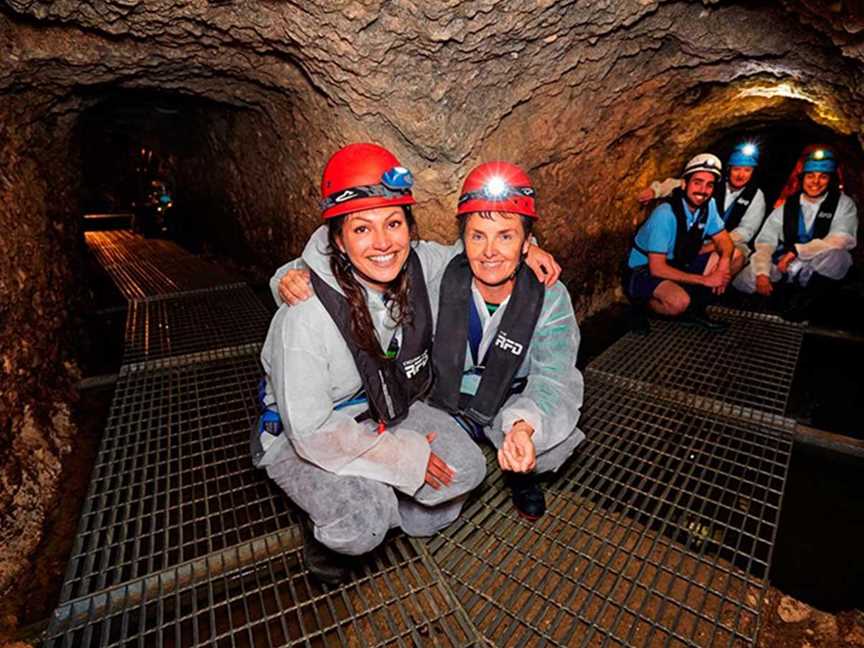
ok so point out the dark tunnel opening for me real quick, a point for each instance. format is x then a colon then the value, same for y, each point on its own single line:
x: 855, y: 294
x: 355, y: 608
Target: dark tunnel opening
x: 143, y: 151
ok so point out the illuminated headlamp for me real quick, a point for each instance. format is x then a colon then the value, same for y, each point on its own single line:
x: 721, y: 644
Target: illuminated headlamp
x: 819, y: 155
x: 395, y: 183
x: 496, y: 189
x: 749, y: 149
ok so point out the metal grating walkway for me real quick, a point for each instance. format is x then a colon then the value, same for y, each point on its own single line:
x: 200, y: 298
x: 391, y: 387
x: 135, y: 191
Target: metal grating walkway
x: 659, y: 530
x: 221, y: 317
x: 750, y: 366
x: 144, y: 268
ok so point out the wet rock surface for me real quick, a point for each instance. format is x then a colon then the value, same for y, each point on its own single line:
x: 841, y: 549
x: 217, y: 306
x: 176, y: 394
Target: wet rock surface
x: 594, y: 99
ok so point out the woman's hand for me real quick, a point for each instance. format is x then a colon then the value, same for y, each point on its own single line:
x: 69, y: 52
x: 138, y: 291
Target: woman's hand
x: 438, y: 473
x: 295, y: 287
x: 785, y: 260
x: 763, y: 285
x: 543, y: 264
x: 517, y: 453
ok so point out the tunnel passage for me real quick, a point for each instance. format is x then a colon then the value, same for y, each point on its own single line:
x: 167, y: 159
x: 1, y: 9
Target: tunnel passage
x: 594, y: 99
x: 133, y: 140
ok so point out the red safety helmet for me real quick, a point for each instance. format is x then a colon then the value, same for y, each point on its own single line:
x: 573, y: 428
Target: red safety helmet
x: 363, y: 176
x: 497, y: 186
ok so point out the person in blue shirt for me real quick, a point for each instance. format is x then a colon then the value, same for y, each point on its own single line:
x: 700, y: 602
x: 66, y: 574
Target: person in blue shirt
x: 667, y: 269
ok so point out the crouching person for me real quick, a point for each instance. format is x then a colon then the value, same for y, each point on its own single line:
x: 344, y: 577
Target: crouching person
x: 668, y: 268
x: 505, y: 346
x: 805, y: 242
x: 345, y: 434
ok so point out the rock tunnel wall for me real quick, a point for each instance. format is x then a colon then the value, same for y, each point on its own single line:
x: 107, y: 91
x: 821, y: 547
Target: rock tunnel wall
x: 592, y: 98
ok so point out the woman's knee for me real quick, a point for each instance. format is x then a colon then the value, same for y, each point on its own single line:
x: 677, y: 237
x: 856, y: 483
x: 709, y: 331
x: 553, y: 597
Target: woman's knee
x: 359, y: 522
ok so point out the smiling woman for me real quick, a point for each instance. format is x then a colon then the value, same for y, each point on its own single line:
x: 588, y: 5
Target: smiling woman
x: 343, y: 429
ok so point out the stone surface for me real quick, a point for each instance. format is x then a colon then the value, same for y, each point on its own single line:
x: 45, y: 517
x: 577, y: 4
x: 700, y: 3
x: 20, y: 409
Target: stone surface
x: 791, y: 610
x: 594, y: 99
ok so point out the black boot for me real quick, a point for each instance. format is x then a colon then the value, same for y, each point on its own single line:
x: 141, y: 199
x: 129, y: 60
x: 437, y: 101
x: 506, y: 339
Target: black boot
x: 698, y: 317
x: 639, y: 320
x: 527, y: 496
x: 324, y: 564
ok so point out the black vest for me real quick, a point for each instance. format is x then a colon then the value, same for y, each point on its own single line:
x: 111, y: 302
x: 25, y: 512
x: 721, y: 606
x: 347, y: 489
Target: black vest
x: 688, y: 242
x: 821, y: 226
x: 739, y: 207
x: 505, y: 354
x: 390, y: 385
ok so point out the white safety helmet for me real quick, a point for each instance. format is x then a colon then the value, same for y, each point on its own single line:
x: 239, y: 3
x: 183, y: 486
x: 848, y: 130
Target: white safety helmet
x: 704, y: 162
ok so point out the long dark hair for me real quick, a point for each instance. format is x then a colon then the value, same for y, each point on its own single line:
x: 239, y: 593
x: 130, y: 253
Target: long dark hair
x: 397, y: 295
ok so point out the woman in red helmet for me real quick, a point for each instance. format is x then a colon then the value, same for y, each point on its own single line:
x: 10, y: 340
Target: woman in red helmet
x: 507, y: 372
x: 534, y: 431
x: 344, y: 433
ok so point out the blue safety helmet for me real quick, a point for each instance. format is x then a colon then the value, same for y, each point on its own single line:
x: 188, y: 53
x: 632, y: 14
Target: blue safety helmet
x: 820, y: 161
x: 745, y: 154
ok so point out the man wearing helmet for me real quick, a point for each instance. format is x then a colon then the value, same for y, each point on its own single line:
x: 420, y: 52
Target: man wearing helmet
x: 668, y: 268
x: 805, y: 241
x: 740, y: 201
x: 505, y: 347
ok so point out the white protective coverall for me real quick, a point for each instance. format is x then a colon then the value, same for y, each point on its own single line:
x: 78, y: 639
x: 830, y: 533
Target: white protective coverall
x: 828, y: 256
x: 552, y: 399
x: 343, y: 473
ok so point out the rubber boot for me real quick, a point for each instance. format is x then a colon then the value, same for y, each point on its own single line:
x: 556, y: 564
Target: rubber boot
x: 323, y: 563
x: 527, y: 495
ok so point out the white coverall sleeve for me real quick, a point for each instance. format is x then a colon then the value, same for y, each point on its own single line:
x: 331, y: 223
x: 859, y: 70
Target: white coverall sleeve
x: 552, y: 399
x: 842, y: 236
x: 766, y: 242
x: 434, y: 257
x: 751, y: 221
x: 664, y: 189
x: 326, y: 437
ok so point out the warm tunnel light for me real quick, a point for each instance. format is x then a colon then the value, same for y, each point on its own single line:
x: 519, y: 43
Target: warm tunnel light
x: 783, y: 89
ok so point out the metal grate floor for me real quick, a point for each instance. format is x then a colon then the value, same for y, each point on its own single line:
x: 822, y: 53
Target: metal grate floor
x: 144, y: 268
x: 395, y: 599
x: 192, y: 322
x: 658, y: 533
x: 173, y: 480
x: 749, y: 366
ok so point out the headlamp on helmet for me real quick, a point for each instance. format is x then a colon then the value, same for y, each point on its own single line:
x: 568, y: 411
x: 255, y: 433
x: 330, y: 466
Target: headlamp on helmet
x: 396, y: 182
x: 497, y: 186
x: 496, y: 189
x: 704, y: 162
x: 820, y: 161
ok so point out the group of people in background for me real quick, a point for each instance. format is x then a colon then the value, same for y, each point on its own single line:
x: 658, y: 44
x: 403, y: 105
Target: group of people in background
x: 710, y: 231
x: 391, y: 360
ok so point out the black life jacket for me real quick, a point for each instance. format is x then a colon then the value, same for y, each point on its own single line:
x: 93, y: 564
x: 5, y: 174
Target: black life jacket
x: 391, y: 386
x: 821, y: 226
x: 505, y: 354
x: 688, y: 242
x: 738, y: 207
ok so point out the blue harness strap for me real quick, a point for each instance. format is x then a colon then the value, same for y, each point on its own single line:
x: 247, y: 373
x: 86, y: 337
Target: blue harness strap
x: 475, y: 332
